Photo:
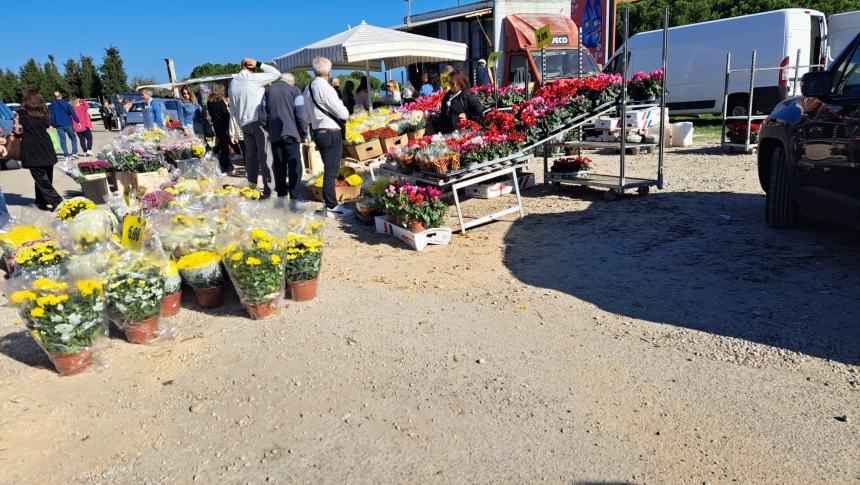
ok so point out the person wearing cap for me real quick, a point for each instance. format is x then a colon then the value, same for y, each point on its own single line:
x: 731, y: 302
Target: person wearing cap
x: 482, y: 74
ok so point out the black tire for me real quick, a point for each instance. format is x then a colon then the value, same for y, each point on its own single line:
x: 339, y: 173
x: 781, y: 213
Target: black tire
x: 781, y: 210
x: 738, y: 105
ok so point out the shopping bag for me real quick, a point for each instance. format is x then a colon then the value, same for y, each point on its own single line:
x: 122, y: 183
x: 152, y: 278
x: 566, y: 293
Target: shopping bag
x: 55, y: 139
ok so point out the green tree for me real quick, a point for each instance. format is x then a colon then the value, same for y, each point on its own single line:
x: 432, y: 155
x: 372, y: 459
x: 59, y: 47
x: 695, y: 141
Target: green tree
x: 91, y: 84
x: 210, y: 69
x: 72, y: 74
x: 113, y: 76
x: 31, y: 77
x: 53, y: 80
x: 137, y: 81
x: 355, y: 77
x: 10, y: 91
x: 303, y: 78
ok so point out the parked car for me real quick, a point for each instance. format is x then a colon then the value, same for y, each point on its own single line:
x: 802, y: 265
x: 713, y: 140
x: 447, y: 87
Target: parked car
x: 93, y: 110
x: 135, y: 114
x: 809, y: 147
x: 697, y: 59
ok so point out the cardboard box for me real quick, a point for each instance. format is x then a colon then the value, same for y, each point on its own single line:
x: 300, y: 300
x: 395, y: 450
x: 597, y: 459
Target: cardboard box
x: 95, y: 187
x: 344, y: 194
x: 365, y: 151
x: 489, y: 191
x: 526, y: 180
x: 438, y: 235
x: 152, y: 181
x: 415, y: 135
x: 610, y: 124
x: 389, y: 144
x: 644, y: 119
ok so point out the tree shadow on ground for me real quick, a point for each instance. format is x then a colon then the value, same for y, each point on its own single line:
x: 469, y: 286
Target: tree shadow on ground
x: 704, y: 261
x: 20, y: 346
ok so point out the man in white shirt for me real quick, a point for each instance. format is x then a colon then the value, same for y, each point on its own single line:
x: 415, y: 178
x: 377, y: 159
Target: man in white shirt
x: 246, y: 95
x: 326, y: 113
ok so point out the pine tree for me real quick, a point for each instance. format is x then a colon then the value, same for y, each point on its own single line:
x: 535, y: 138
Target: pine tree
x: 91, y: 84
x: 53, y: 80
x: 10, y: 90
x: 72, y: 75
x: 113, y: 76
x: 31, y: 76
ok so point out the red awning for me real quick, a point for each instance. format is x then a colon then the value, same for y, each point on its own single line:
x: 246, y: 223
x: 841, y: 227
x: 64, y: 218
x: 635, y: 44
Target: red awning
x: 520, y: 31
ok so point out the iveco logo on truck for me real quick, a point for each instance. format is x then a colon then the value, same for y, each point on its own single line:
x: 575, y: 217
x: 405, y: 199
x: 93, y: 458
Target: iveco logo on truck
x: 560, y: 40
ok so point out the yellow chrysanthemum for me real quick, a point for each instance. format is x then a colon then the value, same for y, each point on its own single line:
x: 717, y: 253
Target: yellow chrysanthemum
x: 276, y: 259
x: 22, y: 234
x: 237, y: 256
x: 252, y: 261
x: 197, y: 260
x: 37, y: 312
x: 88, y: 287
x: 44, y: 284
x: 20, y: 297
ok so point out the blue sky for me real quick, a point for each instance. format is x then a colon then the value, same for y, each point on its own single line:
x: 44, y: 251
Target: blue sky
x: 191, y: 32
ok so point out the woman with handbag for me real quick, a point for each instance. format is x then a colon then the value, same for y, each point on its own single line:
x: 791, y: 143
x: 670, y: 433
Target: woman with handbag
x: 84, y: 129
x: 458, y: 104
x: 37, y: 149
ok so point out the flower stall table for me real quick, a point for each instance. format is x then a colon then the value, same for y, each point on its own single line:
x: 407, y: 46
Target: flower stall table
x: 473, y: 175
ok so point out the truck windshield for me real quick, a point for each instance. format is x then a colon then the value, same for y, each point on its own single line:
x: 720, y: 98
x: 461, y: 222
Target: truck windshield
x: 564, y: 63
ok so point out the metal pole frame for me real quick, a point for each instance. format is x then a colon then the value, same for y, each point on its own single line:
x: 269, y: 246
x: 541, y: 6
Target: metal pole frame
x: 662, y: 149
x: 579, y: 132
x: 750, y: 101
x: 626, y: 60
x: 796, y: 74
x: 726, y: 96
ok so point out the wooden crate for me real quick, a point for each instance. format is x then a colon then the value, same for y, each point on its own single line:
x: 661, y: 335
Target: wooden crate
x: 389, y: 144
x: 365, y: 151
x: 95, y: 187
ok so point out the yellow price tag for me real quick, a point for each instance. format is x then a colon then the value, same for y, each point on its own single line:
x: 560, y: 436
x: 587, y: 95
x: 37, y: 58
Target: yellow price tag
x: 132, y: 232
x: 543, y: 37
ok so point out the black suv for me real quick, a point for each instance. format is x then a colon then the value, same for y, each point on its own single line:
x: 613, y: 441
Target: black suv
x: 809, y: 147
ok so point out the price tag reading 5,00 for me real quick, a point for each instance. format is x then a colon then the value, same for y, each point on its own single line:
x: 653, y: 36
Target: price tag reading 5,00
x: 132, y: 232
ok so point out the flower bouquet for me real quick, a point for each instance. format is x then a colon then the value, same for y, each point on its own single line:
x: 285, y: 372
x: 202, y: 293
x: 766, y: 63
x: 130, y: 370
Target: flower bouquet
x: 170, y: 306
x: 304, y: 261
x: 255, y: 263
x: 185, y: 230
x: 64, y: 319
x: 573, y: 167
x: 42, y: 259
x: 183, y: 150
x: 95, y: 168
x: 69, y: 208
x: 157, y: 200
x: 134, y: 291
x: 14, y: 236
x: 201, y: 270
x: 89, y: 228
x: 644, y: 86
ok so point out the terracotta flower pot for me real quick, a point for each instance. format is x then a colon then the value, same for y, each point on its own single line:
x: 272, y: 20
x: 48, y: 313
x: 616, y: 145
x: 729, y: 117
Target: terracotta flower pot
x: 71, y: 364
x: 262, y: 309
x: 303, y: 290
x: 170, y: 305
x: 210, y: 297
x: 143, y: 332
x: 416, y: 226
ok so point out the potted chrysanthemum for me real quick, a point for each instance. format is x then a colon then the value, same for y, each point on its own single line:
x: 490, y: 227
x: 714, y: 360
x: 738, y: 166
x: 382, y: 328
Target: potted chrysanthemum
x: 64, y: 319
x: 170, y: 306
x: 134, y: 291
x: 255, y: 263
x: 201, y: 270
x: 41, y: 259
x: 69, y: 208
x: 304, y: 261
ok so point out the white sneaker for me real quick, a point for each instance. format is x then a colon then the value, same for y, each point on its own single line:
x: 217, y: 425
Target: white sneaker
x: 339, y: 211
x: 68, y: 159
x: 75, y: 156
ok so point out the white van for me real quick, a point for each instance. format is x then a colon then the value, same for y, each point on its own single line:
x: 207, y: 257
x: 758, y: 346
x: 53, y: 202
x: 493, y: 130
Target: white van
x: 697, y: 59
x: 841, y: 27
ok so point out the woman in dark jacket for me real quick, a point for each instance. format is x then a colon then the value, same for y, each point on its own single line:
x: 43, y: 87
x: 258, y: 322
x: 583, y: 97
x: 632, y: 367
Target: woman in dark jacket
x: 459, y: 103
x: 220, y: 116
x: 37, y: 150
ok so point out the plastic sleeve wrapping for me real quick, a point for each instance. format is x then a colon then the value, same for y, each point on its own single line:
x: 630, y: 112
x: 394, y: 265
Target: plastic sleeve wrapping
x: 65, y: 316
x: 134, y: 291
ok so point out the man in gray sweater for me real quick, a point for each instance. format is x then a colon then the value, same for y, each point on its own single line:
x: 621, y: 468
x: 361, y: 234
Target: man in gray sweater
x: 284, y: 118
x: 246, y: 94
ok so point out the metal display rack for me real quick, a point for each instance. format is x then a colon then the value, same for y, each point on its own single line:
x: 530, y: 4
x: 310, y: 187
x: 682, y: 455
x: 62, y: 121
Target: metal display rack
x: 618, y: 184
x: 749, y: 146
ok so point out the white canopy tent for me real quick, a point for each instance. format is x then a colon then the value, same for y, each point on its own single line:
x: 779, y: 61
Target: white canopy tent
x: 366, y: 47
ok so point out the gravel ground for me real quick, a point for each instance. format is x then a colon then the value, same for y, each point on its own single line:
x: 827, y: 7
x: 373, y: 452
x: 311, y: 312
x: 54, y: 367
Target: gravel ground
x: 672, y: 338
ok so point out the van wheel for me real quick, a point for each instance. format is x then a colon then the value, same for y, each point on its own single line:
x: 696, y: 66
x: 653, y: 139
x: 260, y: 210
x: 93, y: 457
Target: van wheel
x: 781, y: 210
x: 738, y: 105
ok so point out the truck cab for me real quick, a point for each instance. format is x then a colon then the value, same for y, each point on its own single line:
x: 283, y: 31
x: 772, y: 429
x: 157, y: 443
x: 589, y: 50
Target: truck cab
x: 563, y: 57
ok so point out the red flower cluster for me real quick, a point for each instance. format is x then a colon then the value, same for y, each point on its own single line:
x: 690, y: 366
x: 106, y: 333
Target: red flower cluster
x: 468, y: 125
x: 564, y: 88
x: 382, y: 133
x: 431, y: 103
x: 500, y: 121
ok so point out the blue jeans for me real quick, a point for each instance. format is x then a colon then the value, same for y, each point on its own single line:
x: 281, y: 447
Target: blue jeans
x: 4, y: 211
x: 62, y: 131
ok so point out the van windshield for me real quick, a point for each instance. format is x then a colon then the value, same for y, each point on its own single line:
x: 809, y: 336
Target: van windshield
x: 564, y: 63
